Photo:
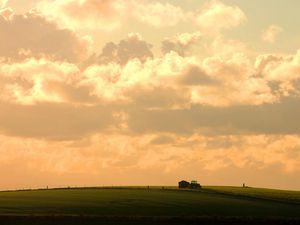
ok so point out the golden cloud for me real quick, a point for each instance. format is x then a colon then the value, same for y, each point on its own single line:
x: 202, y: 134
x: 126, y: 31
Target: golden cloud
x: 215, y: 16
x: 271, y: 33
x: 3, y: 3
x: 110, y: 14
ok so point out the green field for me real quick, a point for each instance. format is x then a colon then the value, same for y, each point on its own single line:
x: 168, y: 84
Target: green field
x: 131, y: 204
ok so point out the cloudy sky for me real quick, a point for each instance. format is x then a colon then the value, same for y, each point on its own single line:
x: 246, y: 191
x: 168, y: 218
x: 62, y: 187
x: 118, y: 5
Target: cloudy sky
x: 149, y: 92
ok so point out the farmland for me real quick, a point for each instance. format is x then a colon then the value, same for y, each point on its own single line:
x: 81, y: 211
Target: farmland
x: 136, y: 204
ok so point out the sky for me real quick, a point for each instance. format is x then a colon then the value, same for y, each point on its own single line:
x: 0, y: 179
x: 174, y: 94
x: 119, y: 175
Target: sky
x: 149, y: 92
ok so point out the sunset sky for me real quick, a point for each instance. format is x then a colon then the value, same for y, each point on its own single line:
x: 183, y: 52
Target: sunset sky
x: 149, y: 92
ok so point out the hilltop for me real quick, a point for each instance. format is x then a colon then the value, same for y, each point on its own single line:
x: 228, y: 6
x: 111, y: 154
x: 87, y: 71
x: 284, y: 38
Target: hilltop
x: 135, y: 204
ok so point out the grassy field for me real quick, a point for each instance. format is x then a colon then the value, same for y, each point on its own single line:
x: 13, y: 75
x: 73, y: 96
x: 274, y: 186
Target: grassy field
x: 138, y: 204
x: 260, y: 193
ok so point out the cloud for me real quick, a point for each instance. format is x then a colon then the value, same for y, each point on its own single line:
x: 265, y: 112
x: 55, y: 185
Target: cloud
x: 30, y: 35
x: 158, y: 91
x: 162, y: 140
x: 33, y: 81
x: 102, y: 159
x: 226, y: 48
x: 271, y: 33
x: 172, y: 94
x: 115, y: 82
x: 278, y: 119
x: 194, y: 76
x: 238, y: 83
x: 110, y: 14
x: 282, y: 71
x: 181, y: 43
x: 158, y: 97
x: 3, y: 3
x: 212, y: 81
x: 85, y: 14
x: 54, y: 121
x: 215, y: 16
x: 127, y: 73
x: 285, y: 70
x: 158, y: 14
x: 133, y: 47
x: 127, y: 113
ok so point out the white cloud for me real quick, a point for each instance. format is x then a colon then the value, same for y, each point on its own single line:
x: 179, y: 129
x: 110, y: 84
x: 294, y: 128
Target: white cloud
x: 110, y: 14
x: 234, y: 80
x: 28, y: 82
x: 158, y: 14
x: 238, y: 84
x: 283, y: 68
x: 3, y: 3
x: 213, y: 81
x: 85, y: 14
x: 113, y: 81
x: 271, y: 33
x: 215, y: 16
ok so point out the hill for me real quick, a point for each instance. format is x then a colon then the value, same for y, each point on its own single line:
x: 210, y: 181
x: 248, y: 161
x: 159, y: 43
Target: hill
x: 157, y: 205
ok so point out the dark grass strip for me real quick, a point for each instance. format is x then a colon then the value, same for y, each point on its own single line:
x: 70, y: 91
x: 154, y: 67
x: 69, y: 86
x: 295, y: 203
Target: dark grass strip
x: 249, y: 196
x: 103, y: 220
